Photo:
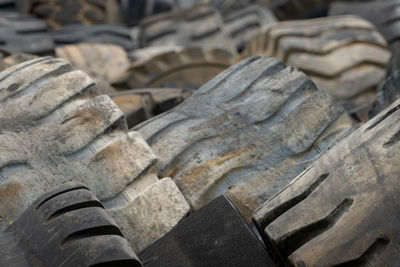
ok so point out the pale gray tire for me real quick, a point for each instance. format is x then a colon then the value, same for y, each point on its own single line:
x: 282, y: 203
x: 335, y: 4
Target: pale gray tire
x: 246, y: 133
x: 54, y: 131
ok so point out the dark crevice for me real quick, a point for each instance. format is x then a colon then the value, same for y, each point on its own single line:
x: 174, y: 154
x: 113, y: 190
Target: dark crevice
x: 118, y: 263
x: 92, y: 232
x: 393, y: 140
x: 60, y: 193
x: 292, y: 241
x: 382, y: 118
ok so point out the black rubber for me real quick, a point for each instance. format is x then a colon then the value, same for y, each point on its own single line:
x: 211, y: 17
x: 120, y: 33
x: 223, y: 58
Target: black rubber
x: 388, y: 92
x: 65, y: 227
x: 106, y: 33
x: 23, y: 33
x: 216, y: 235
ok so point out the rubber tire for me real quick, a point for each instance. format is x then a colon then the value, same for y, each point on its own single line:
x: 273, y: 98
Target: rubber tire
x: 342, y: 211
x: 321, y: 49
x: 188, y: 68
x: 24, y: 34
x: 67, y: 226
x: 244, y: 133
x: 71, y: 135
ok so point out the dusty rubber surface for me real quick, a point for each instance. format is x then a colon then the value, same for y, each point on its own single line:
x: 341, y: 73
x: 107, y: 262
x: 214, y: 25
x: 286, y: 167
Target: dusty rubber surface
x: 245, y: 133
x: 342, y: 211
x: 71, y: 135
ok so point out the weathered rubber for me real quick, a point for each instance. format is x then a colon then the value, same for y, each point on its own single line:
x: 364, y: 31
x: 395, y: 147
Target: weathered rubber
x: 245, y: 23
x: 69, y: 135
x: 105, y: 33
x: 216, y: 235
x: 200, y: 26
x: 60, y: 13
x: 141, y: 104
x: 65, y: 227
x: 101, y: 61
x: 388, y: 92
x: 342, y: 211
x: 344, y: 55
x: 23, y: 33
x: 187, y: 68
x: 247, y: 133
x: 299, y: 9
x: 385, y: 16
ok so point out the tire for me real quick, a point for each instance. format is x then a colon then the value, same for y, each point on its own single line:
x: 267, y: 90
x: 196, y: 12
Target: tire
x: 321, y: 48
x: 244, y: 133
x: 62, y: 13
x: 141, y: 104
x: 388, y: 93
x: 69, y: 135
x: 106, y: 34
x: 15, y: 59
x: 200, y: 26
x: 245, y: 23
x: 101, y: 61
x: 384, y: 15
x: 189, y: 68
x: 67, y: 226
x: 24, y: 34
x: 342, y: 211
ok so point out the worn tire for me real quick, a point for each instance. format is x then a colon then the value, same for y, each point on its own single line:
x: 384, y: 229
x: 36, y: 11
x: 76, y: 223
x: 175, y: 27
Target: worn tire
x: 201, y: 26
x: 101, y: 61
x: 245, y: 23
x: 187, y: 68
x: 67, y: 226
x: 385, y: 16
x: 244, y: 133
x: 69, y: 135
x: 141, y: 104
x: 322, y: 48
x: 62, y: 13
x: 388, y: 92
x: 342, y: 211
x: 106, y: 34
x: 299, y: 9
x: 23, y: 33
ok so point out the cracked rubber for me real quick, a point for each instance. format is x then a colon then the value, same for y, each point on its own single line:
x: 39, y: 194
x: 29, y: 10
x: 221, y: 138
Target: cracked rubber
x: 100, y: 61
x: 23, y: 33
x: 186, y: 68
x: 245, y: 133
x: 65, y: 227
x: 71, y: 135
x: 61, y: 13
x: 105, y: 33
x: 200, y: 26
x: 245, y: 23
x: 343, y: 210
x: 139, y: 105
x: 343, y: 55
x: 384, y: 15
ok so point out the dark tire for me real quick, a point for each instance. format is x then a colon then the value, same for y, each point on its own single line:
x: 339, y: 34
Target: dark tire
x: 321, y: 48
x: 244, y: 133
x: 343, y: 210
x: 188, y: 68
x: 106, y: 34
x: 245, y: 23
x: 24, y: 34
x: 299, y: 9
x: 388, y: 93
x: 62, y: 13
x: 71, y: 135
x: 104, y: 62
x: 66, y: 227
x: 141, y: 104
x: 201, y: 26
x: 385, y: 16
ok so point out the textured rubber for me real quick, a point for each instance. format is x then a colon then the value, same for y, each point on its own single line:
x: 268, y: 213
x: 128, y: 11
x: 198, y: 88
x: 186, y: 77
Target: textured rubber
x: 200, y: 26
x: 65, y: 227
x: 105, y: 33
x: 342, y: 211
x: 247, y: 133
x: 299, y: 9
x: 23, y: 33
x: 187, y: 68
x: 344, y: 55
x: 71, y: 135
x: 216, y: 235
